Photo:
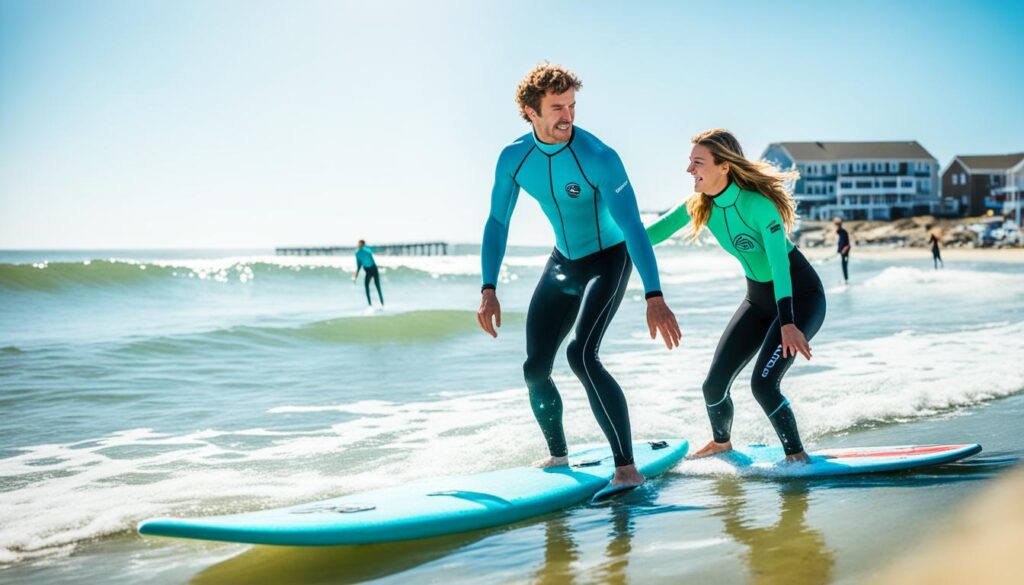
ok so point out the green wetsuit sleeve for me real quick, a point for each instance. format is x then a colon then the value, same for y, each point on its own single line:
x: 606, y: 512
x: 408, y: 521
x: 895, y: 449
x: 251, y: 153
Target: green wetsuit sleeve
x: 665, y: 226
x: 776, y: 246
x: 359, y: 264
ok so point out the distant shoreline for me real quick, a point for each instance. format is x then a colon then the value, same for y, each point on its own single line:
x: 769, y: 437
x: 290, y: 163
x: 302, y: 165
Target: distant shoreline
x: 1007, y: 255
x: 912, y: 232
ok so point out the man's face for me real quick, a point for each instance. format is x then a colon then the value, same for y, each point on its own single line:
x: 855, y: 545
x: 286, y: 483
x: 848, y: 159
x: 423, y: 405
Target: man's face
x: 553, y: 124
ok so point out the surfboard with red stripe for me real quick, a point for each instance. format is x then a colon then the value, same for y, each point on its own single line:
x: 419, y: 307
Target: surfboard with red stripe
x: 769, y: 461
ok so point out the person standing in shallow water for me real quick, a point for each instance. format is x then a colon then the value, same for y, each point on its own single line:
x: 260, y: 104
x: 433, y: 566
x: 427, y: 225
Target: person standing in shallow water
x: 582, y: 188
x: 364, y: 260
x: 843, y: 248
x: 933, y: 239
x: 747, y: 208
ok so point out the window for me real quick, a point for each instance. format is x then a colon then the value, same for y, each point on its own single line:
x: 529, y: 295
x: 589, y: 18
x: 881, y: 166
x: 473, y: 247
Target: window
x: 955, y: 177
x: 844, y: 168
x: 907, y: 183
x: 889, y: 184
x: 926, y: 186
x: 879, y: 167
x: 894, y: 167
x: 864, y: 184
x: 846, y: 184
x: 963, y: 178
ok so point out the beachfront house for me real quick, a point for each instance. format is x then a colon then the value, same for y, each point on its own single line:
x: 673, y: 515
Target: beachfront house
x: 861, y: 180
x: 986, y: 183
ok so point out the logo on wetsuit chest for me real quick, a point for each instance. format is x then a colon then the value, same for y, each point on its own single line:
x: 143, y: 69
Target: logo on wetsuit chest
x: 744, y: 243
x: 573, y: 190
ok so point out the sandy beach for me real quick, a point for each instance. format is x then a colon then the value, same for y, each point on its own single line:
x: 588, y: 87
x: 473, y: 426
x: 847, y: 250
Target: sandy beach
x: 981, y: 543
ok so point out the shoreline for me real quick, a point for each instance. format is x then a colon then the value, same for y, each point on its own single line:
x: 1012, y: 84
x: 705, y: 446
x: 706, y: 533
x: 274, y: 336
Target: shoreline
x: 1003, y: 255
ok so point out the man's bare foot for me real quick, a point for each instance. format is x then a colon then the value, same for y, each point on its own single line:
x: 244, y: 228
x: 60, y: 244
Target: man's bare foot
x: 551, y: 461
x: 800, y: 457
x: 627, y: 475
x: 712, y: 448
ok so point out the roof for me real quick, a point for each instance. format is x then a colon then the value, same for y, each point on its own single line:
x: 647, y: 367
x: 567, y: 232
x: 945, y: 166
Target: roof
x: 839, y: 151
x: 990, y: 162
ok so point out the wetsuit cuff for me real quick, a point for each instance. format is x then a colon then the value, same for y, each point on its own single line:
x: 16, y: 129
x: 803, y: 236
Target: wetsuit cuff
x: 488, y: 286
x: 652, y: 294
x: 785, y: 306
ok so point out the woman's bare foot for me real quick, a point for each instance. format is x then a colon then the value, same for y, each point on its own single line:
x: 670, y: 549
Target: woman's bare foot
x: 627, y: 475
x: 551, y: 461
x: 800, y: 457
x: 712, y: 448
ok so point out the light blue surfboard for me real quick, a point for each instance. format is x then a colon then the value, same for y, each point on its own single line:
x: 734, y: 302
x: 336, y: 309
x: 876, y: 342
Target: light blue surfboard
x: 761, y: 460
x: 433, y: 507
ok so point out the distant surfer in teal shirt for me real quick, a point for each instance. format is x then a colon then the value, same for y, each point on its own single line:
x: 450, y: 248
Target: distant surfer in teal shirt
x: 364, y: 260
x: 582, y: 188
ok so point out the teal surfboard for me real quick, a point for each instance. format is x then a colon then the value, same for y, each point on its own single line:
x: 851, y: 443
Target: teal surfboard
x: 433, y: 507
x: 761, y: 460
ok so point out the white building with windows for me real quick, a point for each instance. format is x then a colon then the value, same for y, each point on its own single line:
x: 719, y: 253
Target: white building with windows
x: 860, y: 180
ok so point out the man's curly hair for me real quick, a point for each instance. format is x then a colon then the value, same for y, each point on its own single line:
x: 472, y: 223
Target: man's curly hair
x: 539, y: 81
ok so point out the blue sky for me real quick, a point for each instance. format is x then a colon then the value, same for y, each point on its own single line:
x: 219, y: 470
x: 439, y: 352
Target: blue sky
x: 191, y: 124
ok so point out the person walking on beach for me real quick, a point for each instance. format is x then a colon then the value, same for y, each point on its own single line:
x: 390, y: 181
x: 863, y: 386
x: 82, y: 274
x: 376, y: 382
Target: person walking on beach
x: 364, y: 260
x: 933, y: 239
x: 582, y: 188
x: 746, y: 207
x: 843, y: 248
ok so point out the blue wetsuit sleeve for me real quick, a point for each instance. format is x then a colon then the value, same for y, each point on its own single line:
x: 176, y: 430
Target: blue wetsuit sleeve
x: 503, y: 202
x: 618, y: 195
x: 359, y: 264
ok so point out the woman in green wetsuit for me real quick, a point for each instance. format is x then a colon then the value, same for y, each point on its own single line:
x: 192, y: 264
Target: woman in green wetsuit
x: 746, y: 207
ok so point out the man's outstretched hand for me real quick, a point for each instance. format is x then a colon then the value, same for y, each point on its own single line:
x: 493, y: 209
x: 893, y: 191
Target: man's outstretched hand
x: 489, y: 314
x: 661, y: 319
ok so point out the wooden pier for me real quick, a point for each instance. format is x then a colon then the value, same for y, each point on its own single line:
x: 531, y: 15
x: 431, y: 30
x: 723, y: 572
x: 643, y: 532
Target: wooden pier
x: 410, y: 249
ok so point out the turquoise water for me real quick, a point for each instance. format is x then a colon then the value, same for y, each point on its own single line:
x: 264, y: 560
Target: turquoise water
x: 144, y: 383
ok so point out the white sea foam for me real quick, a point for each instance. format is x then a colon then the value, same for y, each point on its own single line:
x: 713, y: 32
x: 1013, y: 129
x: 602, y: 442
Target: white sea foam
x: 466, y: 264
x: 892, y: 378
x: 947, y: 281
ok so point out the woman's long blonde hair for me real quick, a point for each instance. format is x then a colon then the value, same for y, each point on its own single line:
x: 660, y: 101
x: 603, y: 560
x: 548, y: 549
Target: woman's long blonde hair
x: 761, y: 177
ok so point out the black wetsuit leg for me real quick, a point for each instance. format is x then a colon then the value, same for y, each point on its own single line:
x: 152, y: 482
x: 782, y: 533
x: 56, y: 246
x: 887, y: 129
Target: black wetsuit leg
x: 373, y: 273
x: 769, y: 367
x: 739, y: 342
x: 608, y: 277
x: 936, y: 257
x: 846, y: 264
x: 754, y: 329
x: 591, y: 287
x: 551, y: 315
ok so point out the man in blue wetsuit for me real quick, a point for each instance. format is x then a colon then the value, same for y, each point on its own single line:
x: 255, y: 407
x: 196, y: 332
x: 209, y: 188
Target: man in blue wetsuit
x: 364, y: 260
x: 583, y: 189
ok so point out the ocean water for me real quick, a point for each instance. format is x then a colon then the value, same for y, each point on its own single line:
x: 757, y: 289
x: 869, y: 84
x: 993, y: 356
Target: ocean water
x: 144, y: 383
